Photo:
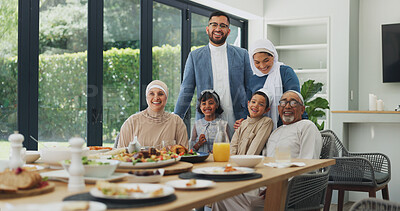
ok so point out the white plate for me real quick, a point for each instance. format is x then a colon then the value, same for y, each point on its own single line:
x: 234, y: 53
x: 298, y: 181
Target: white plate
x: 220, y: 171
x: 56, y: 206
x: 200, y: 184
x: 36, y: 167
x: 147, y: 190
x: 148, y: 164
x: 62, y: 175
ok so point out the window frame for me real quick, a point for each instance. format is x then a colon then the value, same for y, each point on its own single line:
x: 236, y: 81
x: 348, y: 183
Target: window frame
x: 28, y: 60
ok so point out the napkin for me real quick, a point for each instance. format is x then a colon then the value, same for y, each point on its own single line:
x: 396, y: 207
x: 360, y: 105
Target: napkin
x: 285, y: 165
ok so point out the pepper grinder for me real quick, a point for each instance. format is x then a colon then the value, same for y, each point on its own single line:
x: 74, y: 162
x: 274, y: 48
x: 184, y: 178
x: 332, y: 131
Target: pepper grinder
x: 76, y: 171
x: 16, y: 140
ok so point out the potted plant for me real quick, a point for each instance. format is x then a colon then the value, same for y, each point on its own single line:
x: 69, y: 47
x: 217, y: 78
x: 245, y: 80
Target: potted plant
x: 314, y: 107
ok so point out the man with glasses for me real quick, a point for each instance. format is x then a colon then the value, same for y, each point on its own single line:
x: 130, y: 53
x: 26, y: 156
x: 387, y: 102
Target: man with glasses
x: 300, y: 135
x: 218, y: 66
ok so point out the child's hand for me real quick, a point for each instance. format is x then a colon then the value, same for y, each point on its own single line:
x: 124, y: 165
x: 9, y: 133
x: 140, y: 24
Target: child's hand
x: 237, y: 123
x: 202, y: 140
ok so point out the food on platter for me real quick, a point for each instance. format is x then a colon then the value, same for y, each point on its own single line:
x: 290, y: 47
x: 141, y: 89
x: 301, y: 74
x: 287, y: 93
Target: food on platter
x: 146, y: 155
x: 99, y: 148
x: 19, y: 179
x: 191, y: 182
x: 178, y: 149
x: 76, y: 206
x: 86, y: 161
x: 191, y: 153
x: 229, y: 168
x: 107, y: 154
x: 113, y: 189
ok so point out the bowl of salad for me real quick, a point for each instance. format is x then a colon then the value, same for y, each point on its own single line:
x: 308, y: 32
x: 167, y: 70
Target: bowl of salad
x: 101, y: 168
x: 194, y: 157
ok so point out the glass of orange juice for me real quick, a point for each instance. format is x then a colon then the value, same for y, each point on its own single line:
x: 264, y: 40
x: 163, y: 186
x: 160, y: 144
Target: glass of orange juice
x: 221, y: 152
x: 221, y: 146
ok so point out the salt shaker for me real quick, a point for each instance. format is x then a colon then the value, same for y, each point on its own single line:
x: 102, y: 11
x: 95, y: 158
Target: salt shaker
x: 16, y: 140
x: 76, y: 170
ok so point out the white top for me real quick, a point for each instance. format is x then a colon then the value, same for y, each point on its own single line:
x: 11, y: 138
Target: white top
x: 219, y: 62
x: 303, y: 137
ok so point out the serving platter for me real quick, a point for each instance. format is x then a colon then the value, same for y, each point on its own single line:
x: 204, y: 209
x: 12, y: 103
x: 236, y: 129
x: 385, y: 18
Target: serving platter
x: 62, y: 175
x: 138, y: 165
x: 200, y: 157
x: 220, y: 171
x: 148, y: 192
x: 31, y: 192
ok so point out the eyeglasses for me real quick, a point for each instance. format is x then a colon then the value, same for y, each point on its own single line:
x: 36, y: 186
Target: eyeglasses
x: 221, y: 25
x: 292, y: 103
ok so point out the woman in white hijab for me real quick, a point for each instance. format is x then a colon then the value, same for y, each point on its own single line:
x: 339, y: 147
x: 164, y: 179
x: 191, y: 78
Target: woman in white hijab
x: 271, y: 74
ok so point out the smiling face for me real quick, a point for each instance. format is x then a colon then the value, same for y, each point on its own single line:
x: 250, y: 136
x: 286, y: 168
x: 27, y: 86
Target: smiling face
x: 216, y: 34
x: 156, y: 99
x: 208, y: 107
x: 290, y: 114
x: 257, y: 106
x: 263, y: 62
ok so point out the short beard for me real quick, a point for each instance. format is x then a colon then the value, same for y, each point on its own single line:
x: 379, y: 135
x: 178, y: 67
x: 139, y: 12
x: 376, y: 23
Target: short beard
x: 288, y: 119
x: 218, y: 42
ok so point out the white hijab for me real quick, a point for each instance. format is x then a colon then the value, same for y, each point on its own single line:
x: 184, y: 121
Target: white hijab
x: 274, y: 81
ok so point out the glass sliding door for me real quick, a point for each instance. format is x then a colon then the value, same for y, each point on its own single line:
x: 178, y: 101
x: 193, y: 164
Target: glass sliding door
x: 62, y: 70
x: 167, y: 30
x: 121, y: 51
x: 8, y: 72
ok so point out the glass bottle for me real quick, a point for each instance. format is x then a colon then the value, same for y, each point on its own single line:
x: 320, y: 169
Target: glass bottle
x: 221, y: 146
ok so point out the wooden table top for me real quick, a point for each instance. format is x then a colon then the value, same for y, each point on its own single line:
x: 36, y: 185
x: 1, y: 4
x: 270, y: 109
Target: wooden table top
x: 187, y: 200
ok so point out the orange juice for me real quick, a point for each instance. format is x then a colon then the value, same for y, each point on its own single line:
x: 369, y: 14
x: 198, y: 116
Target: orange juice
x: 221, y: 152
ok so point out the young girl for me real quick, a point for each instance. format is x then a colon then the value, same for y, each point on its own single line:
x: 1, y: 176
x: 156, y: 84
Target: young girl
x: 253, y: 133
x: 205, y: 129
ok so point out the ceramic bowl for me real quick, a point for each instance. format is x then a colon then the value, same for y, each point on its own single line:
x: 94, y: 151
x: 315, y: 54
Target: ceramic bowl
x: 31, y: 156
x: 145, y: 179
x: 97, y: 170
x: 53, y: 155
x: 247, y: 160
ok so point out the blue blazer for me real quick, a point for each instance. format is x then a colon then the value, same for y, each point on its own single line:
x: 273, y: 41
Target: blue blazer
x: 198, y: 72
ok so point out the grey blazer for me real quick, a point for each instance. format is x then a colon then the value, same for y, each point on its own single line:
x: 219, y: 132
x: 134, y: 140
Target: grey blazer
x: 198, y: 72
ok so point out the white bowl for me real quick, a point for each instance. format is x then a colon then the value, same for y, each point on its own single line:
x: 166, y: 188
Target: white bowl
x: 96, y: 170
x: 145, y: 179
x: 247, y: 160
x: 31, y: 156
x: 53, y: 155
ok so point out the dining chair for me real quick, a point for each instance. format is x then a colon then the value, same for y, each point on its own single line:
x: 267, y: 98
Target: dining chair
x: 373, y: 204
x: 116, y: 141
x: 307, y: 191
x: 356, y: 171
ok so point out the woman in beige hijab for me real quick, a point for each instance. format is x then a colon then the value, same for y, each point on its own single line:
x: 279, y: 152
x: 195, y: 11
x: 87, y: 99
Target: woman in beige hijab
x: 153, y: 125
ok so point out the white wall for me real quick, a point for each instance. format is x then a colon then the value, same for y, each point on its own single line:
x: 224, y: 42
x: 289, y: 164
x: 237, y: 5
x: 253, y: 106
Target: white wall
x: 372, y: 15
x: 338, y: 13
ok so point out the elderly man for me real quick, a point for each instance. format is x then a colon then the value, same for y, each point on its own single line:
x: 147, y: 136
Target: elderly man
x: 301, y: 135
x: 219, y: 66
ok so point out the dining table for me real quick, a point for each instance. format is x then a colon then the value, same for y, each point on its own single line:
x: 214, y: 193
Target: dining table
x: 276, y: 180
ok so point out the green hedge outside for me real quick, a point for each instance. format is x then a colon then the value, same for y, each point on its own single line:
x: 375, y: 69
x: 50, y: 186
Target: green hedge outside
x: 63, y: 90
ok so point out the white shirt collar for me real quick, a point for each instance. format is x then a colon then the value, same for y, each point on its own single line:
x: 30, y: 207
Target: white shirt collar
x: 216, y: 48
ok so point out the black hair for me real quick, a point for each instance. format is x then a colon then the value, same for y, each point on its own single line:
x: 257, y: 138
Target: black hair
x: 264, y: 95
x: 219, y: 13
x: 206, y: 96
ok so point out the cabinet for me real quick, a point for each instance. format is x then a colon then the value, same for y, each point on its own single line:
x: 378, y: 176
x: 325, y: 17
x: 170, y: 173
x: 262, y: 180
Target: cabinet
x: 303, y: 44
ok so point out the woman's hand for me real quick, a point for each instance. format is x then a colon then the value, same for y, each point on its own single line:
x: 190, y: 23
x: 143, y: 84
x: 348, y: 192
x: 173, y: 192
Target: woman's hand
x: 262, y: 194
x: 202, y: 140
x: 237, y: 123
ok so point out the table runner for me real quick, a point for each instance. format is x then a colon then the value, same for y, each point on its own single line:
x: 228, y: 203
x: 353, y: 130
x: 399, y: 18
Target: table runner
x: 220, y: 178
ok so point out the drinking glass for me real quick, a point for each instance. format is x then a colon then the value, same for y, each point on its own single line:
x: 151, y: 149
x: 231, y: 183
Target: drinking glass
x: 282, y: 154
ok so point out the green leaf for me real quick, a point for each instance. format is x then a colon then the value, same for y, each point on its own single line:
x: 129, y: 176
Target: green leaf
x: 309, y: 89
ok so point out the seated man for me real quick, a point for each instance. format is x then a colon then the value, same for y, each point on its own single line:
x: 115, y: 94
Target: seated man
x: 300, y: 134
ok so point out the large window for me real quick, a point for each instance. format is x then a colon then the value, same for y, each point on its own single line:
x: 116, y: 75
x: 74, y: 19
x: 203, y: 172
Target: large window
x: 62, y: 70
x: 8, y: 72
x: 121, y: 51
x: 167, y: 32
x: 84, y: 64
